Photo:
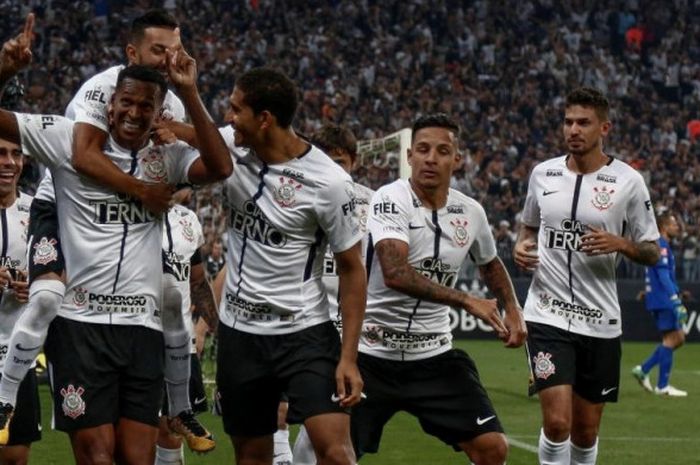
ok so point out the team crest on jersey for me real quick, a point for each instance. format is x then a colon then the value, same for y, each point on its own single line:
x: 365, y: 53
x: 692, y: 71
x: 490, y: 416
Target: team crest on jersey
x: 460, y: 236
x: 544, y: 302
x: 373, y: 334
x: 45, y: 251
x: 80, y: 296
x: 73, y: 404
x: 602, y: 198
x: 544, y: 367
x: 285, y: 194
x: 154, y: 166
x: 187, y: 230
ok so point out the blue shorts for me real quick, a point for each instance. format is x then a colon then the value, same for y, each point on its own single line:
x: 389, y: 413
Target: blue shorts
x: 666, y: 319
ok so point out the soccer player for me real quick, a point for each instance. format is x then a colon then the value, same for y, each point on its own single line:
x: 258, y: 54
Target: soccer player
x: 285, y: 202
x: 106, y: 392
x: 582, y: 209
x: 182, y: 239
x: 14, y: 210
x: 662, y: 298
x: 421, y: 231
x: 151, y: 36
x: 341, y: 145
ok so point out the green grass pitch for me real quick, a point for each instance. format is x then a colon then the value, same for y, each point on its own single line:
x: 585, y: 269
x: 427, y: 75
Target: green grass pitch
x: 641, y: 429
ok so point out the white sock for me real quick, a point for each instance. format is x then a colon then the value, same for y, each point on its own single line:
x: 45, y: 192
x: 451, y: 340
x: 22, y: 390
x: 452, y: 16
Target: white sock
x: 169, y: 456
x: 303, y: 449
x: 282, y: 453
x: 177, y: 349
x: 584, y: 455
x: 29, y: 333
x: 553, y: 453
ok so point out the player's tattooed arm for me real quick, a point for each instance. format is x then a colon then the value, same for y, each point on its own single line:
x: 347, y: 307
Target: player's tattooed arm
x: 644, y: 253
x: 600, y: 242
x: 203, y: 297
x: 400, y: 276
x: 499, y: 283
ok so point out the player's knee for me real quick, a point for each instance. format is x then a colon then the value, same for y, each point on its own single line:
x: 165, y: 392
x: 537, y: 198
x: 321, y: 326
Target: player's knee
x: 337, y: 453
x: 492, y: 449
x: 584, y: 436
x: 557, y: 427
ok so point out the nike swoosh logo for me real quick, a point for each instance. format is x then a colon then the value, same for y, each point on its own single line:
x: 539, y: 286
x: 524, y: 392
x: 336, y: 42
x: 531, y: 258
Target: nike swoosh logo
x: 605, y: 392
x: 177, y: 347
x: 480, y: 421
x: 546, y: 193
x: 410, y: 226
x: 335, y: 398
x: 26, y: 349
x: 198, y: 401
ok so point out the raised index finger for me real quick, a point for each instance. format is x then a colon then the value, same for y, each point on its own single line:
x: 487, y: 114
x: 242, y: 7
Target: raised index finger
x: 28, y: 33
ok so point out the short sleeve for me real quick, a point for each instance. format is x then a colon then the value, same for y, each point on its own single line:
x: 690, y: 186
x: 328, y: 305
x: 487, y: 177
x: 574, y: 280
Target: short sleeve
x: 89, y: 105
x: 48, y: 138
x: 389, y: 214
x: 335, y: 213
x: 180, y: 158
x: 640, y: 213
x: 531, y: 209
x: 483, y: 249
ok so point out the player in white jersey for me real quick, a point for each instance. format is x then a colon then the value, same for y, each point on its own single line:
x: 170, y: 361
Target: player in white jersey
x: 286, y: 201
x: 341, y: 146
x: 182, y: 239
x: 150, y: 36
x: 14, y: 216
x: 112, y: 306
x: 421, y: 231
x: 581, y: 211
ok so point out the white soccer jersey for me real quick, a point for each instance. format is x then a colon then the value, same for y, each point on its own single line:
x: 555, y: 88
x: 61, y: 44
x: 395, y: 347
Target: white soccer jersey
x: 363, y: 195
x: 569, y: 289
x: 13, y: 255
x: 280, y: 219
x: 400, y: 327
x: 182, y: 237
x: 111, y: 243
x: 89, y: 105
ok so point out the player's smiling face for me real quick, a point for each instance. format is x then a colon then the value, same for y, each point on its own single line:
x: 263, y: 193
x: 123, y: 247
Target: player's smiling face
x: 11, y: 163
x: 244, y: 121
x: 134, y: 106
x: 150, y: 49
x: 433, y: 156
x: 583, y: 130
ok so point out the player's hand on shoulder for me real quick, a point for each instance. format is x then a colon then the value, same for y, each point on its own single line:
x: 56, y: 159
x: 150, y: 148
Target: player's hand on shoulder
x: 517, y: 330
x: 16, y: 53
x: 156, y: 197
x: 525, y: 254
x: 161, y: 133
x: 487, y: 310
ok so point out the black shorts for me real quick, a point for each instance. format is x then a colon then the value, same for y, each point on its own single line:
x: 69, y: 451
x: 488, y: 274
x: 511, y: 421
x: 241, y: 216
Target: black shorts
x: 198, y: 395
x: 45, y: 254
x: 100, y: 373
x: 444, y: 392
x: 25, y: 426
x: 254, y: 370
x: 591, y: 365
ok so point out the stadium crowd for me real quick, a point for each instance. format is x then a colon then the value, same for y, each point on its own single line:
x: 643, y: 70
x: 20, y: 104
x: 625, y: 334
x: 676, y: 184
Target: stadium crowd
x: 501, y: 70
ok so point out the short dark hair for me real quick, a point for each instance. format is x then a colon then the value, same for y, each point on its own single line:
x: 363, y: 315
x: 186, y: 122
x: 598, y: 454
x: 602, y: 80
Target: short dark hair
x: 590, y: 98
x: 335, y: 137
x: 266, y: 89
x: 146, y: 74
x: 662, y: 219
x: 152, y: 18
x: 435, y: 120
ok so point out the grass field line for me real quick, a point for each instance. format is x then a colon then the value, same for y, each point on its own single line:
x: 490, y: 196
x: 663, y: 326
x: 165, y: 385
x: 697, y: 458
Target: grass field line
x: 515, y: 437
x: 522, y: 445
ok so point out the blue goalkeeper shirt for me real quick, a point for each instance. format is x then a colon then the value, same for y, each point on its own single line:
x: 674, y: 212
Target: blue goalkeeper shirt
x: 661, y: 280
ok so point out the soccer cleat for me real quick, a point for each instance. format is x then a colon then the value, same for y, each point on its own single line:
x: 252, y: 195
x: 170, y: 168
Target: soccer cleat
x: 6, y: 412
x: 642, y: 378
x: 670, y: 391
x: 197, y: 437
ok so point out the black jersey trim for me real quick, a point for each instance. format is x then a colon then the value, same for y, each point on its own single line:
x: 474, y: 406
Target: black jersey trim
x: 569, y: 255
x: 196, y: 257
x: 5, y: 239
x: 132, y: 170
x: 369, y: 256
x: 436, y: 254
x: 305, y: 152
x: 169, y: 233
x: 261, y: 185
x: 312, y: 253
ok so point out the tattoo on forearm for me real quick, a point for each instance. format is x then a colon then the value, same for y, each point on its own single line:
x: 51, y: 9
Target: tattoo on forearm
x: 498, y: 281
x: 396, y: 270
x: 645, y: 253
x: 203, y: 299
